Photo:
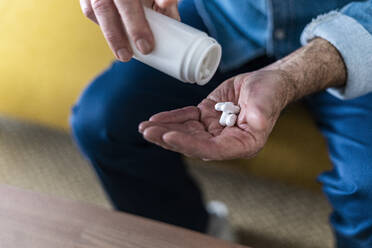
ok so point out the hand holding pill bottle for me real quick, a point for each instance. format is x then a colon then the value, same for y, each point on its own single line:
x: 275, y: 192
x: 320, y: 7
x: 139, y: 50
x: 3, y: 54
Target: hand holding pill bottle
x: 158, y: 40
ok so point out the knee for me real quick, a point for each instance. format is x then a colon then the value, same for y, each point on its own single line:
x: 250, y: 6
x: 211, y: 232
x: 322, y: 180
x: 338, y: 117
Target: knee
x: 99, y: 134
x: 351, y: 197
x: 104, y: 125
x: 350, y: 194
x: 87, y: 127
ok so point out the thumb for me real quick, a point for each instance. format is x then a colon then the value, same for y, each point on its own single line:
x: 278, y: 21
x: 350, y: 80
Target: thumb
x: 166, y: 3
x: 168, y: 8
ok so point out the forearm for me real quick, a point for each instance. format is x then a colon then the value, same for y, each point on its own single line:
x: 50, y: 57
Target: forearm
x: 312, y: 68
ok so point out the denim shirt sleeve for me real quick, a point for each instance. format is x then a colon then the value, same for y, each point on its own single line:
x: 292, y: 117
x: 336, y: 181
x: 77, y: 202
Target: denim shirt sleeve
x: 350, y: 31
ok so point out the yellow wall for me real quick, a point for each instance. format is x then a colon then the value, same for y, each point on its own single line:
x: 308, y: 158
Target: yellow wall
x: 48, y: 52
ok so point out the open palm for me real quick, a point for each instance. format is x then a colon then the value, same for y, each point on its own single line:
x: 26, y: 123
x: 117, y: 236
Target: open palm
x: 196, y: 132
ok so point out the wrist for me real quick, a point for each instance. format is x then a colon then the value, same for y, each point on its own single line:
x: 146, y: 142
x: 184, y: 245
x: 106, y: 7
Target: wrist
x: 312, y: 68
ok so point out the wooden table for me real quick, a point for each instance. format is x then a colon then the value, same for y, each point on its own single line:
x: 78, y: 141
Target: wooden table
x: 31, y: 220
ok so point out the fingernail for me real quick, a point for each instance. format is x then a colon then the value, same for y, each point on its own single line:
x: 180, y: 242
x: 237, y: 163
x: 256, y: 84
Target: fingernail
x: 124, y: 54
x: 143, y: 45
x: 141, y: 127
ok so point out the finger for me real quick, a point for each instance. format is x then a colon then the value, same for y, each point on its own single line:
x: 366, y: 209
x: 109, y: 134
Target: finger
x: 232, y: 143
x: 143, y: 125
x: 190, y: 145
x: 166, y: 3
x: 146, y: 124
x: 235, y: 143
x: 169, y: 8
x: 170, y: 126
x: 172, y: 11
x: 87, y: 9
x: 210, y: 117
x: 154, y: 135
x: 110, y: 23
x: 136, y: 25
x: 177, y: 115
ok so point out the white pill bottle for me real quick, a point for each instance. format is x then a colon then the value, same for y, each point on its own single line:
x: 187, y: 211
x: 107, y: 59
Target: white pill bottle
x: 181, y: 51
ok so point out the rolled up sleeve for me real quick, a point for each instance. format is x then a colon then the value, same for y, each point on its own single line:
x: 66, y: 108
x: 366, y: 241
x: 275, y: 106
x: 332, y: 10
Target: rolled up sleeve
x: 349, y: 30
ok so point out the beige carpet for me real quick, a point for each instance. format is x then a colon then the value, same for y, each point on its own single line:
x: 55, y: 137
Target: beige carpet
x: 264, y: 214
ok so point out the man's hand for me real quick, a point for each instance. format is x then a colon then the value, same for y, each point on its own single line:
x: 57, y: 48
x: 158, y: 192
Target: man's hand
x: 261, y: 95
x: 196, y: 132
x: 121, y: 20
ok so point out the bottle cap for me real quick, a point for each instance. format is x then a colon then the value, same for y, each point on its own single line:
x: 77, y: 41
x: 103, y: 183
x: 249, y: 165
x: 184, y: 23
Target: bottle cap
x: 202, y: 60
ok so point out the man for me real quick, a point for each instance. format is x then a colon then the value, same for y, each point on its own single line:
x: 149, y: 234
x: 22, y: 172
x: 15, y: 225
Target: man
x: 150, y: 180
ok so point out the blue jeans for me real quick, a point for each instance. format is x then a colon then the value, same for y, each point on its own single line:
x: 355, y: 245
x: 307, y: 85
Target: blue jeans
x: 347, y: 127
x: 144, y: 179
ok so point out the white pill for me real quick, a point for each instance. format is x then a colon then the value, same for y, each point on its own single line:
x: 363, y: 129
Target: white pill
x: 223, y: 118
x: 231, y: 120
x: 219, y: 106
x: 230, y: 108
